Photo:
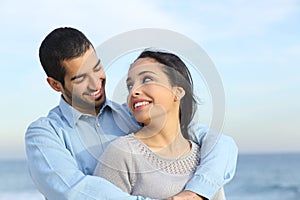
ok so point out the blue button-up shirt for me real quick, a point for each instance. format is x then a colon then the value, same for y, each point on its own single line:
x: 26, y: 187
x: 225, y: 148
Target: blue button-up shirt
x: 62, y: 151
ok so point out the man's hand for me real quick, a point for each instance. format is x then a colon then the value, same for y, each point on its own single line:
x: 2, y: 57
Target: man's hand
x: 186, y: 195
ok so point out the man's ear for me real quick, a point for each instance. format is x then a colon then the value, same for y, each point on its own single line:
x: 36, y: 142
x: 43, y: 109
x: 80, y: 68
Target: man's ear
x: 179, y: 93
x: 56, y: 85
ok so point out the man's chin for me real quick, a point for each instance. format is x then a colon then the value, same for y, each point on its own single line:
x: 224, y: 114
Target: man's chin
x: 100, y: 101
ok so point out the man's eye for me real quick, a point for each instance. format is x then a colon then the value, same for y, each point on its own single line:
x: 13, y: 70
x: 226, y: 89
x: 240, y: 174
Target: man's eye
x: 79, y: 80
x: 98, y: 68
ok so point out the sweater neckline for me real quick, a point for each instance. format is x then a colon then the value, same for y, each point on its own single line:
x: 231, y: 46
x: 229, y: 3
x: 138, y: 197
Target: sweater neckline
x: 194, y: 149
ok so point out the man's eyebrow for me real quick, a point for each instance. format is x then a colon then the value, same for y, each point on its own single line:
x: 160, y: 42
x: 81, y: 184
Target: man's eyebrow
x: 77, y: 76
x: 141, y: 73
x: 81, y: 75
x: 97, y: 64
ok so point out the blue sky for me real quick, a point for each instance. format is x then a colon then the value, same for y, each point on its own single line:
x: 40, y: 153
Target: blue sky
x: 255, y: 46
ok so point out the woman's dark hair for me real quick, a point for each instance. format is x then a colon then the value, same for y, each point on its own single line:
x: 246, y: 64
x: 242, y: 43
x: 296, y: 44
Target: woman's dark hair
x: 59, y: 45
x: 179, y: 75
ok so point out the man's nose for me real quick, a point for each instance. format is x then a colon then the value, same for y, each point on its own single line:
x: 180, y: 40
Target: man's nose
x: 95, y: 82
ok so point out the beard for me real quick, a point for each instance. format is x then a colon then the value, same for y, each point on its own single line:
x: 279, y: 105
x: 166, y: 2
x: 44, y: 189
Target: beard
x: 83, y: 105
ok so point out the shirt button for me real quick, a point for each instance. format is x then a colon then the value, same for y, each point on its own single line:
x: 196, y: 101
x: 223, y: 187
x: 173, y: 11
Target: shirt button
x: 98, y: 124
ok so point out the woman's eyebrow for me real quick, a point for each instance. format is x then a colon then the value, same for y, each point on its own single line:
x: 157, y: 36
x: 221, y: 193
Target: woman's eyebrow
x: 141, y: 73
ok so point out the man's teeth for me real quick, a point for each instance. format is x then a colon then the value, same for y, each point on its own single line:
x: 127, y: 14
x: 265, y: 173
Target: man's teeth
x: 141, y: 104
x: 95, y: 93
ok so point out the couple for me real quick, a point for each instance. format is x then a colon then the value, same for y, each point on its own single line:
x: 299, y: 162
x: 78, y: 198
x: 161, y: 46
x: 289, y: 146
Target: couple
x: 158, y: 161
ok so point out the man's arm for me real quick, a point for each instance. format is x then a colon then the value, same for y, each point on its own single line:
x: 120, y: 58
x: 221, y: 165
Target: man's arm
x: 217, y: 166
x: 55, y: 172
x: 218, y: 161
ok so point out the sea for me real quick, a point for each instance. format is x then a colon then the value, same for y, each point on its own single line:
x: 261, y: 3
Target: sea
x: 258, y: 177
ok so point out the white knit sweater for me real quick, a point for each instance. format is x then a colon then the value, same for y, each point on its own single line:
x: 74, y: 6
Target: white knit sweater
x: 137, y: 170
x: 133, y: 167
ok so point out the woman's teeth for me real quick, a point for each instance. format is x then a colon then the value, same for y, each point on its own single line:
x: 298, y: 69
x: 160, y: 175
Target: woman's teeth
x: 140, y: 104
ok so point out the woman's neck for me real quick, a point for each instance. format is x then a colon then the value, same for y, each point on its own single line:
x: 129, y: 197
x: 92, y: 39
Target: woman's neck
x: 165, y: 139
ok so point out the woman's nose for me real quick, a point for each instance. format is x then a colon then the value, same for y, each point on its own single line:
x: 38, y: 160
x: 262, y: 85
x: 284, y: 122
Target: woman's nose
x: 136, y: 93
x: 136, y: 90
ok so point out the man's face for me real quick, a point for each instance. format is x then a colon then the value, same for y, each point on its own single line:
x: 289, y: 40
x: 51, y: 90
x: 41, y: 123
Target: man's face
x: 84, y: 87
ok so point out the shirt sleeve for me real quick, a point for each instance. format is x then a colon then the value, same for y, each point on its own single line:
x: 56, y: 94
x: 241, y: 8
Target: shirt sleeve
x: 218, y: 161
x: 55, y: 172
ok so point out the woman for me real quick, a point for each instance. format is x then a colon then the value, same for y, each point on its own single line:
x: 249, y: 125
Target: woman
x: 158, y: 160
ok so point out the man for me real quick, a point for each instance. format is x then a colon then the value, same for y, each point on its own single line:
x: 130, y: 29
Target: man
x: 62, y: 148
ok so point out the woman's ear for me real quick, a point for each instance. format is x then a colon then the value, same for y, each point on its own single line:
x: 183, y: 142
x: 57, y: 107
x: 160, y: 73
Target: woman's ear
x: 179, y: 93
x: 54, y: 84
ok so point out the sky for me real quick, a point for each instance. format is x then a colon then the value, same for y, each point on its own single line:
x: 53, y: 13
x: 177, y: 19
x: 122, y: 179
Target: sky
x: 254, y: 45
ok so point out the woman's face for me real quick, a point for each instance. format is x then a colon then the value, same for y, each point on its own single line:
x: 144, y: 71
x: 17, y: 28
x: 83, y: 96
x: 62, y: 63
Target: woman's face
x: 151, y: 95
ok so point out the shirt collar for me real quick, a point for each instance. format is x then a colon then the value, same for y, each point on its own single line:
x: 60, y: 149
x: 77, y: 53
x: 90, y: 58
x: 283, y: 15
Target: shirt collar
x: 72, y: 115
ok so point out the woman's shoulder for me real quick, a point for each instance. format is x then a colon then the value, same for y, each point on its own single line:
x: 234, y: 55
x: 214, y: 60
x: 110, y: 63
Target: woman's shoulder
x: 121, y: 145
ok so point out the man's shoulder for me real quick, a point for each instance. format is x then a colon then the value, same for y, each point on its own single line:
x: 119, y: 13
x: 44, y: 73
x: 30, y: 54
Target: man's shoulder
x: 54, y: 119
x: 123, y: 117
x: 117, y: 106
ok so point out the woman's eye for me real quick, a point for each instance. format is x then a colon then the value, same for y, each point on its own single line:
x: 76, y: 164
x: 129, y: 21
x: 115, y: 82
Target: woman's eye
x: 129, y: 87
x: 147, y: 79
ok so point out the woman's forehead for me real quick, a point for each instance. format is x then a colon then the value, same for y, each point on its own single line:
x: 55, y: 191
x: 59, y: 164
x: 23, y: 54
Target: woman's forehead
x: 145, y: 64
x: 143, y: 61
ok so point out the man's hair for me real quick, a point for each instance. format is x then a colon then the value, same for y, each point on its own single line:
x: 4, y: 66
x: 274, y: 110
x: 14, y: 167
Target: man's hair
x: 59, y: 45
x: 180, y: 76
